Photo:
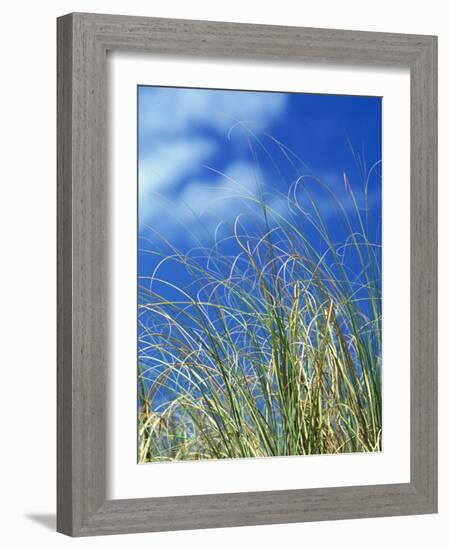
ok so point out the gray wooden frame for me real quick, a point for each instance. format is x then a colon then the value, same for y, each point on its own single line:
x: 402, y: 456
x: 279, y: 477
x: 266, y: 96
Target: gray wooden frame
x: 83, y: 40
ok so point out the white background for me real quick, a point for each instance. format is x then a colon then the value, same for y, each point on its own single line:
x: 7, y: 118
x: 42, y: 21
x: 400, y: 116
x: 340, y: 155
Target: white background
x: 27, y: 305
x: 131, y: 480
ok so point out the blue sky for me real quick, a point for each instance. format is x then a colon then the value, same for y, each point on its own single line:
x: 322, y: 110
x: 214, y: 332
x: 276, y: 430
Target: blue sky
x: 199, y: 148
x: 206, y: 155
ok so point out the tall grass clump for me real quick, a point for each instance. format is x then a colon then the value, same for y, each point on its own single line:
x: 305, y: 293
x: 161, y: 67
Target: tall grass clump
x: 273, y: 348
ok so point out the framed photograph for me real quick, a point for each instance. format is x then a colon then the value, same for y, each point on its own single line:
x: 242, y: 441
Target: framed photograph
x: 247, y: 274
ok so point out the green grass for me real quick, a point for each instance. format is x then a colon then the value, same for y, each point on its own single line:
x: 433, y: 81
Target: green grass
x: 275, y: 351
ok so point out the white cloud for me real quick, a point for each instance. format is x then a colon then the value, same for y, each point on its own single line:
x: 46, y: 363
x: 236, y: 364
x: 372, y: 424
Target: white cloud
x: 205, y: 203
x: 168, y: 162
x: 224, y: 195
x: 169, y: 111
x: 214, y: 197
x: 178, y: 133
x: 165, y: 165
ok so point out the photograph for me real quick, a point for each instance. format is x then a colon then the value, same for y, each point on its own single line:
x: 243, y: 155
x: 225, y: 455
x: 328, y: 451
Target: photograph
x: 259, y: 307
x: 229, y: 215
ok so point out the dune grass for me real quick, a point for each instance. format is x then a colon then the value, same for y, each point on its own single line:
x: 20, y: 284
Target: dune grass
x: 273, y: 350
